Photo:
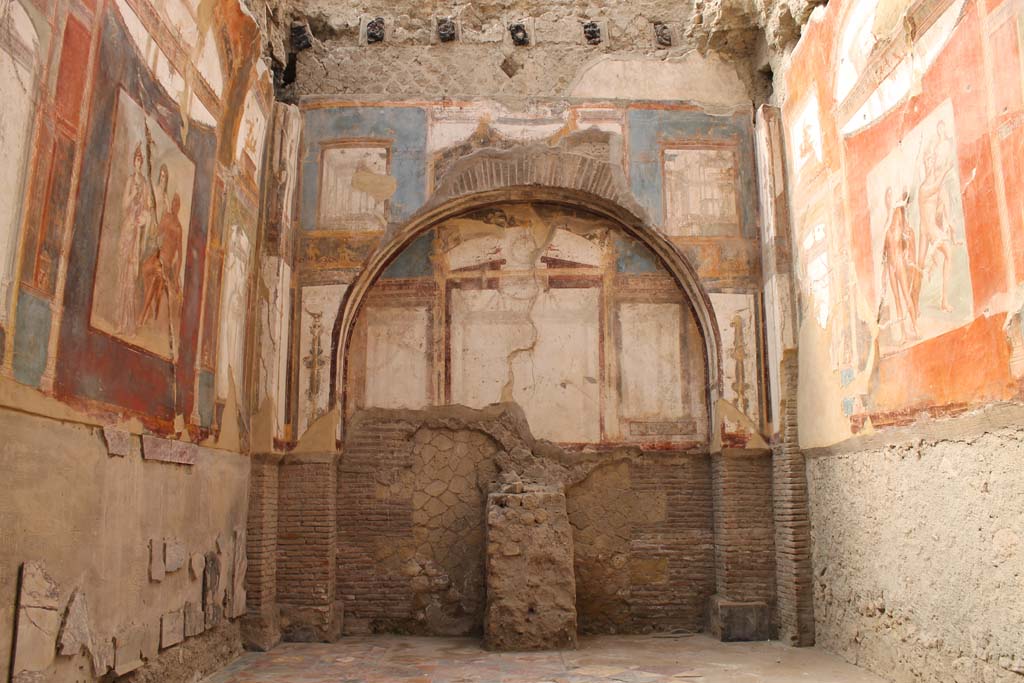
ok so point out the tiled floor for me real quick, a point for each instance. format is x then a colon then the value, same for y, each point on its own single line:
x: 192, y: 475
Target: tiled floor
x: 628, y: 659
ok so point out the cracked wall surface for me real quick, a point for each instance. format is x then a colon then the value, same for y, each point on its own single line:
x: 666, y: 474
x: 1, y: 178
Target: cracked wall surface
x: 904, y: 136
x: 552, y: 308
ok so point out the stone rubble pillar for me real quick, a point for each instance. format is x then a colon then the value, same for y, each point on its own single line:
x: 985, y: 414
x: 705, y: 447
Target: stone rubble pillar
x: 531, y: 582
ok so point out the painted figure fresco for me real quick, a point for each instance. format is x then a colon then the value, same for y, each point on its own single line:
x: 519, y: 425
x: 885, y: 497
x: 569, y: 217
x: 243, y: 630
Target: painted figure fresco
x: 233, y: 307
x: 923, y: 279
x: 137, y: 295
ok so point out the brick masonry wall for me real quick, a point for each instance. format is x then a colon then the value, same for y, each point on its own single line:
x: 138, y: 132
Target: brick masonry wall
x: 410, y: 528
x: 391, y: 535
x: 644, y: 544
x: 260, y: 629
x: 410, y: 535
x: 793, y: 574
x: 307, y: 539
x: 744, y: 533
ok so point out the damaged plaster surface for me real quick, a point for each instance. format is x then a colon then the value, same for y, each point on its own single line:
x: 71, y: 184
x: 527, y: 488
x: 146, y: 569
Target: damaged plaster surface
x: 411, y: 61
x: 554, y: 308
x: 918, y: 551
x: 111, y: 534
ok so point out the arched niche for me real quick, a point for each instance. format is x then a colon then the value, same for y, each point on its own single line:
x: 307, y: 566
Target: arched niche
x: 556, y: 254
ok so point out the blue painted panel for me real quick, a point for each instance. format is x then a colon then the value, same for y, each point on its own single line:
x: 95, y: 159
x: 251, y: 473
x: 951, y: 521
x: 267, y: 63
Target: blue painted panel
x: 632, y: 256
x: 405, y: 127
x: 414, y: 260
x: 650, y: 129
x: 31, y: 338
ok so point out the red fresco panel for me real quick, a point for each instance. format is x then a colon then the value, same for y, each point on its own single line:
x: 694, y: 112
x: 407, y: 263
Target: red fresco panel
x: 1004, y: 46
x: 935, y: 373
x: 71, y: 76
x: 955, y: 75
x: 1011, y: 141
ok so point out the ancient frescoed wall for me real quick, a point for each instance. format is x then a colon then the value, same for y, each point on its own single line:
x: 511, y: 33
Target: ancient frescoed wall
x: 365, y: 170
x: 545, y: 304
x: 902, y: 160
x: 134, y: 135
x: 552, y: 308
x: 904, y: 155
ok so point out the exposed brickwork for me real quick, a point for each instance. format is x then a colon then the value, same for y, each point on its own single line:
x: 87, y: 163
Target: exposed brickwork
x: 682, y: 540
x: 644, y: 547
x: 410, y: 554
x: 260, y: 629
x: 307, y: 542
x: 744, y: 534
x: 369, y: 523
x: 410, y: 526
x: 581, y: 161
x: 392, y: 532
x: 794, y: 573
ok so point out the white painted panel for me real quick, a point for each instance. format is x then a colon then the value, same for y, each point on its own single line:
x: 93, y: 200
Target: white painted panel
x: 397, y: 364
x: 320, y: 305
x: 650, y: 361
x: 543, y: 346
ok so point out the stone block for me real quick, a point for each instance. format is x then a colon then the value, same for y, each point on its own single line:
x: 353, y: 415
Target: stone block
x: 75, y: 633
x: 157, y: 568
x: 168, y: 450
x: 128, y: 650
x: 38, y: 623
x: 102, y: 657
x: 150, y: 641
x: 197, y: 565
x: 213, y: 608
x: 175, y: 555
x: 121, y: 443
x: 172, y: 628
x: 734, y: 621
x: 195, y: 620
x: 531, y: 584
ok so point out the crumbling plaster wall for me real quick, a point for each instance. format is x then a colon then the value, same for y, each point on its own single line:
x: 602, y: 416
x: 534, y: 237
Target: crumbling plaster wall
x: 918, y: 569
x: 133, y: 200
x: 90, y: 518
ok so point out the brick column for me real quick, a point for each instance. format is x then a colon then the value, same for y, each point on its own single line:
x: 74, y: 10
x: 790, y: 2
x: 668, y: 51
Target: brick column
x: 794, y: 573
x: 307, y: 546
x: 741, y: 609
x: 794, y: 598
x: 260, y: 627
